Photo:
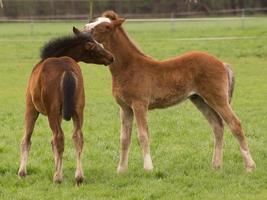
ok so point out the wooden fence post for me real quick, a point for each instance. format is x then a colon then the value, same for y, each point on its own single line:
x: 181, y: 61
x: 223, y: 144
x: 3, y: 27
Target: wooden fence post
x: 91, y: 5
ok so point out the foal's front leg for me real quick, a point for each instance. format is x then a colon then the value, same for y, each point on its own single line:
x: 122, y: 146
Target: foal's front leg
x: 126, y: 114
x: 140, y: 112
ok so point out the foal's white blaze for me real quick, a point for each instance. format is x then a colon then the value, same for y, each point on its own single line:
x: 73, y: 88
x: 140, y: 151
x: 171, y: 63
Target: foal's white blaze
x: 99, y: 20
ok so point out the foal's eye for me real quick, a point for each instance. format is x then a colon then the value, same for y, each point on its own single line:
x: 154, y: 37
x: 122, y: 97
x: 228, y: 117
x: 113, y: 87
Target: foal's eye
x: 106, y: 28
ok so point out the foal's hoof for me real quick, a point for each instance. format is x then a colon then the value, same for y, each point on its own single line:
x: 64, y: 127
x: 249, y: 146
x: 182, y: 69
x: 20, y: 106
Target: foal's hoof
x: 148, y: 165
x: 57, y: 181
x: 22, y: 174
x: 216, y: 166
x: 79, y: 180
x: 57, y: 178
x: 148, y: 168
x: 121, y: 170
x: 79, y: 176
x: 251, y: 167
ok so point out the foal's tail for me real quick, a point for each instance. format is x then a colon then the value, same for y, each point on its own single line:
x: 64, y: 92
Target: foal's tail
x: 231, y: 81
x: 68, y: 88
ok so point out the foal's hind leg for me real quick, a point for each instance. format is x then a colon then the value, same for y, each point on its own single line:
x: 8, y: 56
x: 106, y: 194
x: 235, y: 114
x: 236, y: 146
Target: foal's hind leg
x: 223, y: 108
x: 217, y: 125
x: 236, y: 128
x: 57, y: 145
x: 31, y: 116
x: 78, y: 142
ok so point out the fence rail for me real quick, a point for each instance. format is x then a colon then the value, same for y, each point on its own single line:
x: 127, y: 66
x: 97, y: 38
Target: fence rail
x: 195, y: 19
x: 181, y: 16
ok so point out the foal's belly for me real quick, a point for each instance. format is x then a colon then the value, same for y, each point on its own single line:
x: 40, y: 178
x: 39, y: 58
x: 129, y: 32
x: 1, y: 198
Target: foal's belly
x: 166, y: 100
x: 169, y: 90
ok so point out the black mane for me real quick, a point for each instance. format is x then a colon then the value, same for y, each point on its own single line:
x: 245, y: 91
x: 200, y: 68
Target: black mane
x: 57, y: 46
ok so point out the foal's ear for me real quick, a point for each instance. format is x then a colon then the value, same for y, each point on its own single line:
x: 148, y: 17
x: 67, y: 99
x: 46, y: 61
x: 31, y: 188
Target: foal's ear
x: 76, y: 31
x: 118, y: 22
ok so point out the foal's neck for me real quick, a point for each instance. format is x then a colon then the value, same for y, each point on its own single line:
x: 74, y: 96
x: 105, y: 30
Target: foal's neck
x: 70, y: 52
x: 124, y: 51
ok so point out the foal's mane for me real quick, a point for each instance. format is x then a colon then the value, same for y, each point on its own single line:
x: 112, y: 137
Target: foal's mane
x: 133, y: 44
x: 57, y: 46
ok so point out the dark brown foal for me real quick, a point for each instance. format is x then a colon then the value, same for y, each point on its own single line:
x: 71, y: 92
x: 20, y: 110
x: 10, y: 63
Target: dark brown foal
x: 56, y: 90
x: 140, y: 83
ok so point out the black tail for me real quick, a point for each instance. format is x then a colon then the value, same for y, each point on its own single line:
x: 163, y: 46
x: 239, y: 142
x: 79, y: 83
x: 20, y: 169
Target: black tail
x: 231, y: 82
x: 68, y: 89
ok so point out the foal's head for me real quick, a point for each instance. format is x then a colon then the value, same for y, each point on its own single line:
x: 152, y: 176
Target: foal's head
x: 93, y: 52
x: 80, y: 47
x: 103, y: 27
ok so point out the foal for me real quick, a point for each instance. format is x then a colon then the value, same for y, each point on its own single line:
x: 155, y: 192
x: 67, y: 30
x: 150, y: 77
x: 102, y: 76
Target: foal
x: 140, y: 83
x: 56, y: 90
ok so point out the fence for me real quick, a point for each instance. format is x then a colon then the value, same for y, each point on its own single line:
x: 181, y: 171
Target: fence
x: 19, y: 10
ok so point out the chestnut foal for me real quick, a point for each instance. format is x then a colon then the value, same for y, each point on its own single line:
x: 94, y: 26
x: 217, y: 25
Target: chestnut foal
x: 140, y: 83
x: 56, y: 90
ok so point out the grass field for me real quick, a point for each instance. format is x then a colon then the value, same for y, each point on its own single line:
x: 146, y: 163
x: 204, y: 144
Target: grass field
x: 181, y: 140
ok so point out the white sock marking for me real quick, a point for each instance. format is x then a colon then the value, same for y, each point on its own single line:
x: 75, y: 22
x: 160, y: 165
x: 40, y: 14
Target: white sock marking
x: 148, y: 162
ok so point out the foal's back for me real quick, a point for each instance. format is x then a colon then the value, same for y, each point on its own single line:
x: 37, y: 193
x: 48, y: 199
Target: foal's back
x: 46, y: 83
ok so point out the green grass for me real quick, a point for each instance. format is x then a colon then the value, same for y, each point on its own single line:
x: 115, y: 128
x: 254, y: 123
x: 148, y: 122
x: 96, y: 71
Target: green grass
x: 181, y: 140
